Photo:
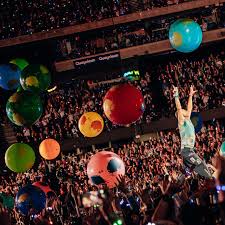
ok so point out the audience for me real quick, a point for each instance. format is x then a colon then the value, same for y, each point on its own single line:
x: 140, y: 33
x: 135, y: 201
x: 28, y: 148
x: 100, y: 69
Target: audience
x: 204, y: 73
x: 152, y: 191
x: 147, y: 165
x: 66, y: 104
x: 136, y: 33
x: 24, y: 17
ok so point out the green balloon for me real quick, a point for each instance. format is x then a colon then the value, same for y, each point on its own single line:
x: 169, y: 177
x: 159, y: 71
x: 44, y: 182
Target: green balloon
x: 19, y: 157
x: 24, y: 108
x: 21, y: 63
x: 35, y: 78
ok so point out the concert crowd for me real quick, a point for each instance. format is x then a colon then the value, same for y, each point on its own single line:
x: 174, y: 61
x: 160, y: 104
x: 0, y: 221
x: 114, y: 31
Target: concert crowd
x: 25, y: 17
x: 133, y: 34
x: 68, y: 102
x: 149, y: 167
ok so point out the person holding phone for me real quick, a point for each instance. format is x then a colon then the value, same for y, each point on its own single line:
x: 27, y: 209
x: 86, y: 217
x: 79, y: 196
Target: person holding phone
x: 187, y: 134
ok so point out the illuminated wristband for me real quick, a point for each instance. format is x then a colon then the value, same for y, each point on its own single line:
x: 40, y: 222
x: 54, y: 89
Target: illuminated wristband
x: 176, y: 96
x: 220, y: 187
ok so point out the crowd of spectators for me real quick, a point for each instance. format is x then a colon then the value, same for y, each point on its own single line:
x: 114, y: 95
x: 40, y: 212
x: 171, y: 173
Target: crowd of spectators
x: 21, y: 17
x: 147, y: 165
x: 137, y: 33
x: 206, y: 74
x: 67, y: 103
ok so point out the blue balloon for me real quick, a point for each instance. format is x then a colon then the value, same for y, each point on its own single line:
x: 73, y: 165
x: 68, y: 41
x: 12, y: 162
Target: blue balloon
x: 197, y: 121
x: 222, y: 149
x: 185, y: 35
x: 30, y: 200
x: 9, y: 76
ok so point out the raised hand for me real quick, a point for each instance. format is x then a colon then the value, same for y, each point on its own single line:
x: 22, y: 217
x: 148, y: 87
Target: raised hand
x: 122, y: 184
x: 192, y: 91
x: 175, y: 91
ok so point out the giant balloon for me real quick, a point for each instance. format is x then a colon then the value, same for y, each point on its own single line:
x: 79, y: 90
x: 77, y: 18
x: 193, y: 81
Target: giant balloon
x: 197, y: 121
x: 24, y: 108
x: 19, y: 157
x: 222, y: 149
x: 49, y: 149
x: 35, y: 78
x: 123, y: 104
x: 185, y: 35
x: 104, y: 168
x: 21, y: 63
x: 9, y: 76
x: 91, y: 124
x: 30, y: 200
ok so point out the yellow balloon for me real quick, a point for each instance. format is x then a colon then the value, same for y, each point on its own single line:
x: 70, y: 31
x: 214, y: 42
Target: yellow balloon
x: 91, y: 124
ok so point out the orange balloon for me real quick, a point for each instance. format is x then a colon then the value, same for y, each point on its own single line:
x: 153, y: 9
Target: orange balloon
x: 49, y: 149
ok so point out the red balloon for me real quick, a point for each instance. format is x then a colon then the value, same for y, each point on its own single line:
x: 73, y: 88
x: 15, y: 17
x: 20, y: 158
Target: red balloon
x: 123, y: 104
x: 104, y: 168
x: 44, y: 187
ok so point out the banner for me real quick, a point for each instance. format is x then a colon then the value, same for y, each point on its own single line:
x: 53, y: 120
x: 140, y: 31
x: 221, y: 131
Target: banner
x: 97, y: 59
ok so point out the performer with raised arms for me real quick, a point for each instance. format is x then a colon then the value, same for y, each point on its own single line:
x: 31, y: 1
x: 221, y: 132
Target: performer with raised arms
x: 187, y: 133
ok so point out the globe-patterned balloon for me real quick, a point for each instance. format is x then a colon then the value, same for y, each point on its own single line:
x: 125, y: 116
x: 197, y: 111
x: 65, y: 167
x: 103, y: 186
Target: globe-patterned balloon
x: 123, y: 104
x: 104, y: 168
x: 185, y: 35
x: 9, y: 76
x: 24, y: 108
x: 222, y: 149
x: 35, y: 78
x: 21, y: 63
x: 30, y: 200
x: 197, y: 121
x: 91, y: 124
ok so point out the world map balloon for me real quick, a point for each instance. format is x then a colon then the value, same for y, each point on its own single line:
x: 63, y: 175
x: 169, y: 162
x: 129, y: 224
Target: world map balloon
x: 222, y: 149
x: 35, y: 78
x: 104, y: 168
x: 24, y: 108
x: 9, y: 76
x: 123, y: 104
x: 21, y: 63
x: 19, y: 157
x: 91, y: 124
x: 197, y: 121
x: 185, y: 35
x: 30, y: 200
x: 49, y: 149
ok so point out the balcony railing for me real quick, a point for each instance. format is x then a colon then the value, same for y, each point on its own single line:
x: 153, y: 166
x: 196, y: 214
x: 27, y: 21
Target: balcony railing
x: 109, y: 22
